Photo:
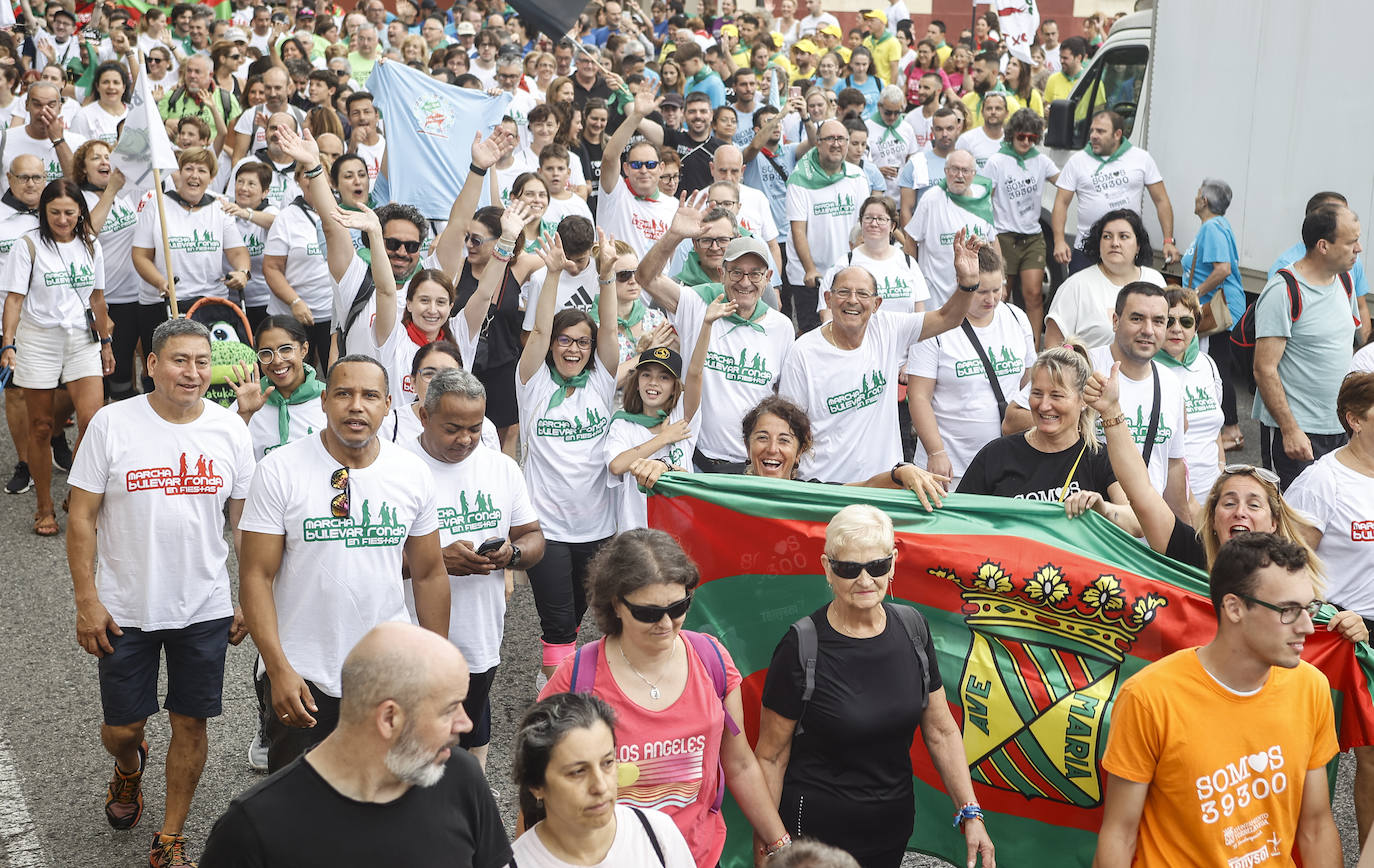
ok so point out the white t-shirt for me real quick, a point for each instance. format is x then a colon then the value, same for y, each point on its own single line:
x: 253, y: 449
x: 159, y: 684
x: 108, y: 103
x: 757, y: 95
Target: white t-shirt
x: 339, y: 577
x: 1083, y: 304
x: 756, y: 215
x: 93, y: 122
x: 244, y: 126
x: 303, y: 420
x: 638, y: 222
x: 573, y: 206
x: 397, y: 353
x: 198, y: 238
x: 977, y: 142
x: 851, y: 397
x: 160, y: 547
x: 1363, y: 360
x: 630, y: 848
x: 1016, y: 198
x: 505, y: 178
x: 117, y: 240
x: 297, y: 235
x: 56, y: 280
x: 921, y: 126
x: 563, y: 457
x: 18, y: 141
x: 1102, y: 188
x: 574, y: 291
x: 282, y: 190
x: 742, y: 368
x: 933, y: 226
x: 963, y: 402
x: 403, y: 425
x: 631, y: 504
x: 828, y: 214
x: 900, y: 282
x: 1340, y: 502
x: 372, y: 155
x: 255, y: 292
x: 1201, y: 384
x: 890, y: 148
x: 481, y: 497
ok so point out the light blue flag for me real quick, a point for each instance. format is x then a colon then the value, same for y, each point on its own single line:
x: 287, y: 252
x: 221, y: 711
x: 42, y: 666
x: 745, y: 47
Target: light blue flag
x: 429, y: 130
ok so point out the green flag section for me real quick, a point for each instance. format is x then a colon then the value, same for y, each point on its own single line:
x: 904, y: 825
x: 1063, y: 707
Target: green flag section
x: 223, y: 9
x: 1036, y: 620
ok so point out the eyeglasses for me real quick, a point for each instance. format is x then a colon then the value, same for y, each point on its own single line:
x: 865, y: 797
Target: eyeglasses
x: 834, y: 140
x: 1027, y: 137
x: 718, y: 241
x: 671, y: 179
x: 477, y: 240
x: 890, y: 113
x: 29, y: 179
x: 643, y: 164
x: 625, y: 276
x: 394, y: 244
x: 285, y: 352
x: 1263, y: 473
x: 723, y: 203
x: 876, y: 219
x: 1185, y: 321
x: 339, y: 505
x: 955, y: 170
x: 846, y: 294
x: 654, y: 614
x: 565, y: 342
x: 1287, y: 614
x: 851, y: 569
x: 754, y: 276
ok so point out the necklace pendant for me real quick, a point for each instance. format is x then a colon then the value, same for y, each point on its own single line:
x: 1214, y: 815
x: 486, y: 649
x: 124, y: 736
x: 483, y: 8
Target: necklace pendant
x: 653, y: 692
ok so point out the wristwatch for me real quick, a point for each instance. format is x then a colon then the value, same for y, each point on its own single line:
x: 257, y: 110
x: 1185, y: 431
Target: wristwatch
x: 515, y: 554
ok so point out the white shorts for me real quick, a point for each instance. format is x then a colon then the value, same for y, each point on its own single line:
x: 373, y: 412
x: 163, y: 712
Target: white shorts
x: 45, y: 357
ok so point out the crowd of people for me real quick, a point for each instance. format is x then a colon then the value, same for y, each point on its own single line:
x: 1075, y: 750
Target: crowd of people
x: 825, y: 256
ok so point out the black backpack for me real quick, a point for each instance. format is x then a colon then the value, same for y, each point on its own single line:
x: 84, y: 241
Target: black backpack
x: 1243, y: 332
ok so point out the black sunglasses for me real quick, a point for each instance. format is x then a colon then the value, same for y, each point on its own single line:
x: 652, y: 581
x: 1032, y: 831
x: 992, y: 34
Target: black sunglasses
x: 394, y: 244
x: 654, y: 614
x: 1185, y: 321
x: 851, y: 569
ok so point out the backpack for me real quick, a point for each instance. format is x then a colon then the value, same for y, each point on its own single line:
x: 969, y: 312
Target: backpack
x: 911, y: 621
x: 583, y: 677
x: 1243, y: 337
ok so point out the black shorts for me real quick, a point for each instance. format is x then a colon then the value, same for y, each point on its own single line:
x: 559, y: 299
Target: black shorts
x: 502, y: 409
x: 477, y: 705
x: 195, y: 672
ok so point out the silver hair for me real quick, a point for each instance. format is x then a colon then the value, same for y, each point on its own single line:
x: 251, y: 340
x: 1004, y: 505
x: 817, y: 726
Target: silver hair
x: 453, y: 381
x: 811, y: 854
x: 175, y: 328
x: 892, y: 93
x: 1217, y: 193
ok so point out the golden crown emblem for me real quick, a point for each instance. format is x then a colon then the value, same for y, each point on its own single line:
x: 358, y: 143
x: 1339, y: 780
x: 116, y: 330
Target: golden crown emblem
x: 1099, y: 616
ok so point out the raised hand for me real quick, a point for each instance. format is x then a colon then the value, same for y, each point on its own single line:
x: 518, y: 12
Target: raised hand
x: 491, y: 150
x: 364, y: 219
x: 551, y: 252
x: 663, y: 335
x: 514, y: 219
x: 720, y: 308
x: 644, y: 104
x: 689, y: 221
x: 966, y: 247
x: 605, y: 252
x: 1102, y: 393
x: 243, y: 377
x: 298, y: 147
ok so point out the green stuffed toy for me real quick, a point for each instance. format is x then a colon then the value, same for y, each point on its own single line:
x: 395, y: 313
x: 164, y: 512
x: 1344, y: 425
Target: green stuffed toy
x: 226, y: 350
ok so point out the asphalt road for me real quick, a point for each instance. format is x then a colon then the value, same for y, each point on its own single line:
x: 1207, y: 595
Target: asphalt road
x: 53, y: 770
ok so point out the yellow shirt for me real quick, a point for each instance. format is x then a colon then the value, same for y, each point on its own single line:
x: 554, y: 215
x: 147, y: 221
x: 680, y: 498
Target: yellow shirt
x: 1060, y: 86
x: 886, y: 53
x: 974, y: 103
x: 943, y: 52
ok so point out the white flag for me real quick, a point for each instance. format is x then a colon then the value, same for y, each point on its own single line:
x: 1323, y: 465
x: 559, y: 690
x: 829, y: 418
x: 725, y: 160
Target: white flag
x: 6, y: 14
x: 143, y: 145
x: 1018, y: 20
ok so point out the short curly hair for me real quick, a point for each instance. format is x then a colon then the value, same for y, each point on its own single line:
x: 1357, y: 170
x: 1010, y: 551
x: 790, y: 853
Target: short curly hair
x: 632, y: 560
x: 409, y: 213
x: 1092, y: 242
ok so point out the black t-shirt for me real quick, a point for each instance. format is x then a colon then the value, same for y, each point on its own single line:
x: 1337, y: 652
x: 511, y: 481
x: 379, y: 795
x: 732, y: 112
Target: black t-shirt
x: 598, y: 90
x: 696, y: 158
x: 862, y: 717
x: 1185, y: 547
x: 1011, y: 467
x: 296, y: 818
x: 499, y: 342
x: 589, y: 154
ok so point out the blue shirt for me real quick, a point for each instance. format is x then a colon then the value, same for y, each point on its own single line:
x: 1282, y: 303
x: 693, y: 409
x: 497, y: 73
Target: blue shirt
x: 712, y: 86
x: 1298, y: 251
x: 761, y: 175
x: 871, y: 90
x: 935, y: 169
x: 1216, y: 242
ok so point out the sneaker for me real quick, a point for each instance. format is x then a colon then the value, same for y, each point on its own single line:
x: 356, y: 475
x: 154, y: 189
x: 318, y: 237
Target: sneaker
x: 169, y: 851
x: 257, y: 752
x: 540, y: 681
x: 61, y: 452
x: 21, y: 481
x: 124, y: 795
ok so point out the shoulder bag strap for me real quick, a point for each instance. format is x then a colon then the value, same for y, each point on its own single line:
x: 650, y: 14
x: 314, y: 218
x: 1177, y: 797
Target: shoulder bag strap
x: 1154, y: 417
x: 772, y: 161
x: 987, y: 368
x: 649, y: 830
x: 916, y: 632
x: 583, y: 677
x: 806, y: 653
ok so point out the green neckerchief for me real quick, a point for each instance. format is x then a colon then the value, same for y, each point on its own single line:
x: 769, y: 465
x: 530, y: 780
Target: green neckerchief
x: 630, y: 321
x: 309, y: 390
x: 979, y: 205
x: 1011, y: 152
x: 876, y: 42
x: 888, y: 129
x: 709, y: 292
x: 1114, y: 155
x: 577, y: 381
x: 702, y: 74
x: 692, y: 274
x: 648, y: 420
x: 365, y: 254
x: 810, y: 175
x: 1189, y: 355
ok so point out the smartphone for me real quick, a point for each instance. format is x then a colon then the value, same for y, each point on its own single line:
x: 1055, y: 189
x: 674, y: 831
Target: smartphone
x: 491, y: 546
x: 90, y: 325
x: 794, y: 92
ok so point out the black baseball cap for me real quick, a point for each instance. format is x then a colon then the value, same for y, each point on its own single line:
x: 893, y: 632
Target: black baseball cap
x: 662, y: 356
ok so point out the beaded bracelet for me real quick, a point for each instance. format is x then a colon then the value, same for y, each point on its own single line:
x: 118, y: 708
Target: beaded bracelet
x: 971, y: 811
x: 777, y: 845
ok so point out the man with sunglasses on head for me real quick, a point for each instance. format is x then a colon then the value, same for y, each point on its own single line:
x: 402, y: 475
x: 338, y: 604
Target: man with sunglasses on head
x: 331, y: 523
x: 1186, y: 788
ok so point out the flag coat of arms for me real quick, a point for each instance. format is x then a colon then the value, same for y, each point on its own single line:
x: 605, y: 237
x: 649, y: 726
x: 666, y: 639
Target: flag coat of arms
x: 1036, y: 620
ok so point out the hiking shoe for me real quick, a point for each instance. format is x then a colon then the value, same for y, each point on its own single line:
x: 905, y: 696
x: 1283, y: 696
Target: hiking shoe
x: 61, y: 452
x: 21, y: 481
x: 169, y: 851
x: 257, y: 752
x: 124, y: 795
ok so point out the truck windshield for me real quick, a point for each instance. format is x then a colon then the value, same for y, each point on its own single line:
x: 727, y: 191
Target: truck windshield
x: 1114, y: 82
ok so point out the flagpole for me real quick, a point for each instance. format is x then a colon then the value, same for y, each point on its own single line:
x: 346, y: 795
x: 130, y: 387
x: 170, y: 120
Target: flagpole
x: 162, y: 221
x: 577, y: 43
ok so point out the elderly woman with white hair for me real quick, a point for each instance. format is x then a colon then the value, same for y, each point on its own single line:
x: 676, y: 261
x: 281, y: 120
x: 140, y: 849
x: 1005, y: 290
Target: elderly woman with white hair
x: 835, y: 744
x: 1211, y: 264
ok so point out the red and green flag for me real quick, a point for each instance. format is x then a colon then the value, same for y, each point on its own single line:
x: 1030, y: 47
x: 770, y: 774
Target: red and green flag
x: 136, y: 8
x: 1036, y: 620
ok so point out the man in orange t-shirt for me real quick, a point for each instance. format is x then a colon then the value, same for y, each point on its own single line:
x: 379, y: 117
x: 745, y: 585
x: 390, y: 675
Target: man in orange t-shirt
x: 1215, y: 754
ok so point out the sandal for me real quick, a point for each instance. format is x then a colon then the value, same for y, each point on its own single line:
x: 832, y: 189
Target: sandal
x: 46, y: 525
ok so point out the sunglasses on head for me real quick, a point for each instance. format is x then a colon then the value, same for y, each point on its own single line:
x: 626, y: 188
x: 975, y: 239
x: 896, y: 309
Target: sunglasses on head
x: 851, y: 569
x: 1263, y: 473
x: 644, y: 164
x: 654, y: 614
x: 394, y: 244
x: 1185, y: 321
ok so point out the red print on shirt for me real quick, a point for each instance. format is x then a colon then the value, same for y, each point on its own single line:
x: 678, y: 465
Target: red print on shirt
x: 651, y: 229
x: 1362, y: 531
x: 198, y: 478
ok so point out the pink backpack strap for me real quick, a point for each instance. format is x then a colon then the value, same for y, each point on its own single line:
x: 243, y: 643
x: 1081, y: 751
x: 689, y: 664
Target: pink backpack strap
x: 584, y: 667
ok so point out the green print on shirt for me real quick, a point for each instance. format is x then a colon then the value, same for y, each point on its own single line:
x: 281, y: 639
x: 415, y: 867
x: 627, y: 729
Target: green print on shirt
x: 254, y: 243
x: 478, y: 515
x: 382, y: 529
x: 947, y: 238
x: 76, y: 277
x: 1004, y: 362
x: 742, y: 370
x: 677, y: 456
x: 573, y: 430
x: 873, y: 385
x: 197, y: 242
x: 119, y: 218
x: 54, y: 170
x: 841, y: 207
x: 1140, y: 425
x: 1198, y: 400
x: 894, y: 287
